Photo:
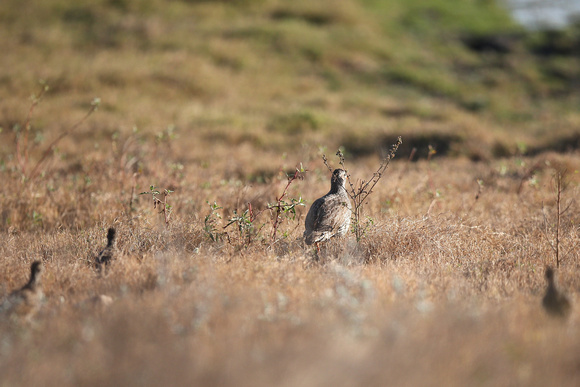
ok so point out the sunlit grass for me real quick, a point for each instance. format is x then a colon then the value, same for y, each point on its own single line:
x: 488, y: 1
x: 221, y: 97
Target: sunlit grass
x: 217, y: 102
x: 441, y: 274
x: 259, y: 60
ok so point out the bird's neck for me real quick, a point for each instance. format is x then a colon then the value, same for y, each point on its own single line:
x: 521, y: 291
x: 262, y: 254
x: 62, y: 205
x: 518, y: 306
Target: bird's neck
x: 552, y: 288
x: 33, y: 281
x: 336, y: 188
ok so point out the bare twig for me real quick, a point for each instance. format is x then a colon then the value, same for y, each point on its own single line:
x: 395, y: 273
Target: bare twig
x: 132, y: 197
x: 545, y: 230
x: 527, y: 175
x: 478, y: 194
x: 50, y: 148
x: 281, y: 205
x: 20, y: 148
x: 558, y: 214
x: 325, y: 160
x: 555, y: 245
x: 245, y: 221
x: 361, y: 189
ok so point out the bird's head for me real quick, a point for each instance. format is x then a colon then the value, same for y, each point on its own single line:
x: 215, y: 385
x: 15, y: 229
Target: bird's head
x: 36, y: 269
x: 111, y: 235
x: 549, y: 273
x: 339, y: 177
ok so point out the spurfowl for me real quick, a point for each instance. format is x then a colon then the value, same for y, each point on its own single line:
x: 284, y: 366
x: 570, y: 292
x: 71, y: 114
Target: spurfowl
x: 329, y: 216
x: 25, y: 302
x: 555, y: 302
x: 106, y: 255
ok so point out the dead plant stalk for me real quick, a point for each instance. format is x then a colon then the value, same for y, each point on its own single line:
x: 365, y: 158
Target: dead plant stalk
x: 23, y: 148
x: 556, y: 248
x: 361, y: 189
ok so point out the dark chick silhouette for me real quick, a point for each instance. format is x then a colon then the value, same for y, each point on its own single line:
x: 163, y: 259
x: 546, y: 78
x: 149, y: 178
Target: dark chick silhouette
x: 25, y: 302
x: 105, y: 256
x: 329, y: 216
x: 555, y: 302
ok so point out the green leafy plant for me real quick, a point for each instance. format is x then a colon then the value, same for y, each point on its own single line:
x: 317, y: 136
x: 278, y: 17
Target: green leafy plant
x: 245, y: 222
x: 211, y: 221
x: 284, y: 207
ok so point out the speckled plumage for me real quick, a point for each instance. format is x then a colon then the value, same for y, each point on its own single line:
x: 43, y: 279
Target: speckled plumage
x: 106, y: 255
x: 555, y: 303
x: 24, y: 302
x: 329, y: 216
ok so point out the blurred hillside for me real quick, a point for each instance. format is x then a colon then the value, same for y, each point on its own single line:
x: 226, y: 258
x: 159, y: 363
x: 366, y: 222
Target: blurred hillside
x: 289, y: 76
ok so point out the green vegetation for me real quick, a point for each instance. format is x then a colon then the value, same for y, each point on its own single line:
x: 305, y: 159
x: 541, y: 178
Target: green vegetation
x: 261, y: 71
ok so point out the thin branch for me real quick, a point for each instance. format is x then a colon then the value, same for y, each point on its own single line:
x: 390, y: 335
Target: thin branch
x: 558, y: 214
x: 359, y: 191
x: 545, y: 231
x: 23, y: 163
x: 278, y: 206
x: 567, y: 207
x: 570, y: 250
x: 48, y: 151
x: 325, y: 160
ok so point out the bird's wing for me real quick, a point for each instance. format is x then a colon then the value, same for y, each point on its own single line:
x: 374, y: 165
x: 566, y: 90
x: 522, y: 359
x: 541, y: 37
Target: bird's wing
x: 341, y: 213
x: 317, y: 219
x: 104, y: 255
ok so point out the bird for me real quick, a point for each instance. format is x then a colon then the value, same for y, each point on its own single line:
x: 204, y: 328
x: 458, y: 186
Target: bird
x: 329, y: 216
x: 555, y: 302
x: 25, y: 302
x: 106, y: 255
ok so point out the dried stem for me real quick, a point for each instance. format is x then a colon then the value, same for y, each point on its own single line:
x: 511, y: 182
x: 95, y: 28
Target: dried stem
x: 555, y: 245
x: 22, y: 139
x: 132, y: 197
x: 279, y: 207
x: 558, y: 214
x: 360, y: 191
x: 245, y: 221
x: 50, y: 148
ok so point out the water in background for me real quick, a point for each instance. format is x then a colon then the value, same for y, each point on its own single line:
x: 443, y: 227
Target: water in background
x: 540, y: 14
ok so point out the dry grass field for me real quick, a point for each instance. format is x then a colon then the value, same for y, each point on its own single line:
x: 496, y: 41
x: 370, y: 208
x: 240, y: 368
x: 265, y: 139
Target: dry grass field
x: 218, y: 102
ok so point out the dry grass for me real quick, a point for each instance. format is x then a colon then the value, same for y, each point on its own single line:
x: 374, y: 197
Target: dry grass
x: 444, y: 289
